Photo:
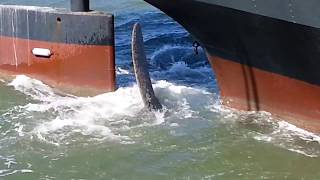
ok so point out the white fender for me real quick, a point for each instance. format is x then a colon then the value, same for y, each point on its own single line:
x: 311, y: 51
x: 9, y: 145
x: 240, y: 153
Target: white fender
x: 41, y: 52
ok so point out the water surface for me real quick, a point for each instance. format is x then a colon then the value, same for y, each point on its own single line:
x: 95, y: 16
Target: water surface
x: 46, y: 135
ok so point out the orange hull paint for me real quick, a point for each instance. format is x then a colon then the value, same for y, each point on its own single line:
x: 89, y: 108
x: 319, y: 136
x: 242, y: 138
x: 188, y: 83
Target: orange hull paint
x: 246, y: 88
x: 77, y: 69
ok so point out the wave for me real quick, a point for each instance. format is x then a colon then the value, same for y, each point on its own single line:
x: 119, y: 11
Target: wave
x: 55, y: 118
x: 264, y: 127
x: 61, y: 119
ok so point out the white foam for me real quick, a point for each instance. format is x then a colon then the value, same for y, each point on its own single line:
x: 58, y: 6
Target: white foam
x: 263, y: 137
x: 89, y: 116
x: 177, y: 89
x: 26, y: 171
x: 303, y: 153
x: 159, y: 118
x: 103, y: 117
x: 263, y: 127
x: 121, y: 71
x: 303, y: 134
x: 19, y: 129
x: 34, y: 88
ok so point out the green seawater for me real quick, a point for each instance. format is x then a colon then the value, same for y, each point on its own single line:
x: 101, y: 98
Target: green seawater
x: 49, y: 135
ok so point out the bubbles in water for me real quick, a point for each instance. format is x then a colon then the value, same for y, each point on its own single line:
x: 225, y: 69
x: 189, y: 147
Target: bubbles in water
x: 61, y: 119
x: 9, y: 166
x: 56, y: 118
x: 262, y: 126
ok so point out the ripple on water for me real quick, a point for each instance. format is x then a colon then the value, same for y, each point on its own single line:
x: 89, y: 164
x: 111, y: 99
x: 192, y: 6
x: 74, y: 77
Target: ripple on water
x: 263, y: 127
x: 54, y: 117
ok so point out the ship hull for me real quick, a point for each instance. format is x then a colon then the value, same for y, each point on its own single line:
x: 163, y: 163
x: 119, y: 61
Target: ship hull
x: 81, y: 45
x: 251, y: 89
x: 261, y: 62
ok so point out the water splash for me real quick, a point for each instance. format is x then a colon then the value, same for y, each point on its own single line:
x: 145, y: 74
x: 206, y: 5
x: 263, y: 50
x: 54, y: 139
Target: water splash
x: 264, y: 127
x: 9, y: 164
x: 56, y: 117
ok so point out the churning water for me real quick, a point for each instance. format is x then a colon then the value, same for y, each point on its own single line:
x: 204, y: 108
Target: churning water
x: 45, y: 134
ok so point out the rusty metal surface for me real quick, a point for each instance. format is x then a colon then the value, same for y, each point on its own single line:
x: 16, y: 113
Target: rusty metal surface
x: 82, y: 45
x: 56, y: 25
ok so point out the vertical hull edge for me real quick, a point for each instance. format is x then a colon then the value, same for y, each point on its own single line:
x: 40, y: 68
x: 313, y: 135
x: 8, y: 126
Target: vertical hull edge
x: 77, y: 69
x: 247, y: 88
x: 71, y: 51
x: 262, y: 63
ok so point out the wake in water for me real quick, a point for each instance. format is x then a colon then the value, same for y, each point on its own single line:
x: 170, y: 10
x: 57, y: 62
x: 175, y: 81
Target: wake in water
x: 61, y: 119
x: 50, y: 118
x: 56, y: 118
x: 262, y: 126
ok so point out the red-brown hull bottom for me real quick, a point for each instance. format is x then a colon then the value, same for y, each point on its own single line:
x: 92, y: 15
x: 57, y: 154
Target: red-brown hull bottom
x: 246, y: 88
x: 77, y: 69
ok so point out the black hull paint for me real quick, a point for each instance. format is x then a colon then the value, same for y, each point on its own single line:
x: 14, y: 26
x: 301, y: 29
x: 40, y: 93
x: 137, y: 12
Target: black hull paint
x: 269, y: 44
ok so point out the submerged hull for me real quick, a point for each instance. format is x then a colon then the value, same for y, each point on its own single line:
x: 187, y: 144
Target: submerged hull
x: 81, y: 46
x: 263, y: 59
